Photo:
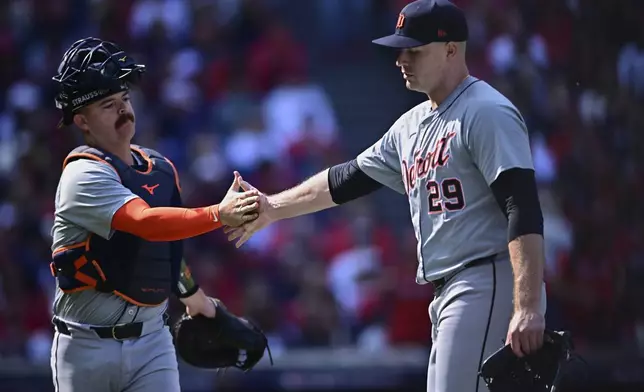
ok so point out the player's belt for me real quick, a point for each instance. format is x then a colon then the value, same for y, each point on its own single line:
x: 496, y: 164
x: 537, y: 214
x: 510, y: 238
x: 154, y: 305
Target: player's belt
x: 439, y: 283
x: 117, y: 332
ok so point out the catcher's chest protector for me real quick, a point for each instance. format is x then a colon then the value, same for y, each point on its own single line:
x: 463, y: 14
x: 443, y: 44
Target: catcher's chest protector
x: 137, y: 270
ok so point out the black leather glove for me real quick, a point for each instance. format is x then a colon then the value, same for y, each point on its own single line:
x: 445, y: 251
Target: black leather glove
x: 220, y: 342
x: 540, y: 371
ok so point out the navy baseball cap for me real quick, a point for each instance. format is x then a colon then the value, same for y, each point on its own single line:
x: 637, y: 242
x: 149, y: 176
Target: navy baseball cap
x: 425, y: 21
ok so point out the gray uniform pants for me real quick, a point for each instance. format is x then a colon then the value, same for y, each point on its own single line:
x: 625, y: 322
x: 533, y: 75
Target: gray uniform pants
x: 86, y: 362
x: 470, y: 316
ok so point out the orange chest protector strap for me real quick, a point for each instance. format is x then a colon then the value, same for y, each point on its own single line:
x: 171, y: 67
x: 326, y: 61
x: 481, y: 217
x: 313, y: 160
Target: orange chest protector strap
x: 76, y: 270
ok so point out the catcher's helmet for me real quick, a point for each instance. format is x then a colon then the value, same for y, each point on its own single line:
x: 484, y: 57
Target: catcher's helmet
x: 92, y: 69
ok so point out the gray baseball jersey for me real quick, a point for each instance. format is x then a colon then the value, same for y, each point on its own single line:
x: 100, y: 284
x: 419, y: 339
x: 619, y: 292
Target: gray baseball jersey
x: 89, y: 194
x: 444, y: 160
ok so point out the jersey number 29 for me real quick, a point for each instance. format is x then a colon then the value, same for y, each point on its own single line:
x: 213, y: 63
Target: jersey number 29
x: 445, y: 195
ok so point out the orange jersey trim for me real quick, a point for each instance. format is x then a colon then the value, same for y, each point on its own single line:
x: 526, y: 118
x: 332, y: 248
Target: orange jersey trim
x: 92, y: 157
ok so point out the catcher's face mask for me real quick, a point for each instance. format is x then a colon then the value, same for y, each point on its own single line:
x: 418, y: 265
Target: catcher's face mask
x: 93, y: 69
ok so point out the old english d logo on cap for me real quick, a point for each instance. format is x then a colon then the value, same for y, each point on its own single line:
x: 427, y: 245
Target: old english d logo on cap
x: 401, y: 21
x: 425, y: 21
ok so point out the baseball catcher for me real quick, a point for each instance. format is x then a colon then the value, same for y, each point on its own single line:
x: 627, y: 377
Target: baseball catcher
x: 118, y: 242
x: 540, y: 371
x: 220, y: 342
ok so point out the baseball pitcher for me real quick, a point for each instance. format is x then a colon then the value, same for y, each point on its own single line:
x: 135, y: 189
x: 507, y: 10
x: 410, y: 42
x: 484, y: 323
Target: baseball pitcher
x: 119, y: 223
x: 463, y: 160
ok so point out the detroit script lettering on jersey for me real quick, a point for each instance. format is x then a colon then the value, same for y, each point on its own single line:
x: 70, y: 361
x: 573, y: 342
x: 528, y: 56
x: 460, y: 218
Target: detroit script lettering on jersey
x: 444, y: 160
x: 435, y: 157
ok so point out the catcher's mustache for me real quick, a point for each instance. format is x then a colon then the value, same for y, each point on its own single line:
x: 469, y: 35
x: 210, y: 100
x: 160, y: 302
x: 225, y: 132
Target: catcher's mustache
x: 123, y: 119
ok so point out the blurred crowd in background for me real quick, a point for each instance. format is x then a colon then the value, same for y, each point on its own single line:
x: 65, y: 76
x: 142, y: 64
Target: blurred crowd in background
x: 228, y: 88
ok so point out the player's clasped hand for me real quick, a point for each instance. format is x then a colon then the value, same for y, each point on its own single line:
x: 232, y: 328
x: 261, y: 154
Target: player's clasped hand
x: 525, y: 334
x: 237, y: 207
x: 245, y: 231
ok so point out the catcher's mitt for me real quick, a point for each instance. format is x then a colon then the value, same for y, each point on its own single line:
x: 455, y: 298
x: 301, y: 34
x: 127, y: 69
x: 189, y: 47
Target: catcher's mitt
x: 540, y: 371
x: 220, y: 342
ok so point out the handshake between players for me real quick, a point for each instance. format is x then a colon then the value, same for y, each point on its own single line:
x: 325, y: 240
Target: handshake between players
x: 248, y: 209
